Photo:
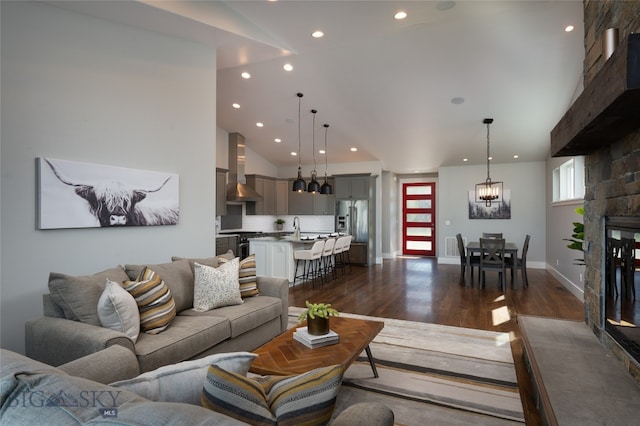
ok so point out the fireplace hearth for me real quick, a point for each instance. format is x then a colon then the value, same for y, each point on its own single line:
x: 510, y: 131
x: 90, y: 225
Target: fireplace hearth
x: 621, y: 307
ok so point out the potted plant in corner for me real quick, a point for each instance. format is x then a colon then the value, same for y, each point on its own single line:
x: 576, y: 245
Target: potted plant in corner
x: 279, y: 224
x: 577, y: 238
x: 317, y: 316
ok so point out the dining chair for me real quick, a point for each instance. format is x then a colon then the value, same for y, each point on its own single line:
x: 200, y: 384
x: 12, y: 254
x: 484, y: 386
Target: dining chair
x: 492, y: 258
x: 521, y: 262
x: 474, y: 260
x: 497, y: 235
x: 613, y: 262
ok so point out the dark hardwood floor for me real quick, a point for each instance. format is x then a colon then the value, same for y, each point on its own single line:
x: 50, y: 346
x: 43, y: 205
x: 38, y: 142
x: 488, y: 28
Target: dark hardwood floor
x: 420, y: 289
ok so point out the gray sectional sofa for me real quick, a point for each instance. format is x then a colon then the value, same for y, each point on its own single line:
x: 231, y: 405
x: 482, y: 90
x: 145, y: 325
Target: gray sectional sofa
x: 34, y: 393
x: 71, y: 329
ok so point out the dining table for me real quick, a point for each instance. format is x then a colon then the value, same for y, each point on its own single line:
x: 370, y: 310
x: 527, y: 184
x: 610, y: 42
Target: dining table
x: 473, y: 247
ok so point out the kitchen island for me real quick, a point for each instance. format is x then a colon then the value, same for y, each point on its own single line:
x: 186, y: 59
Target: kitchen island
x: 274, y: 255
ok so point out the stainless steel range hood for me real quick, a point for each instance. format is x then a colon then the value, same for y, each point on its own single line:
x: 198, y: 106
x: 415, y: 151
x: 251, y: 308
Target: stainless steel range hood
x: 237, y: 188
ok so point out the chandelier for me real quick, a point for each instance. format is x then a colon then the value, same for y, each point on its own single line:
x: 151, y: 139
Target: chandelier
x: 488, y: 191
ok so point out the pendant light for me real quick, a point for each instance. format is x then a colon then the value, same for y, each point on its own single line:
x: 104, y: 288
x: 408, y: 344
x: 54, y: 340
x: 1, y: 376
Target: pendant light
x: 325, y: 188
x: 314, y: 185
x: 488, y: 191
x: 299, y: 185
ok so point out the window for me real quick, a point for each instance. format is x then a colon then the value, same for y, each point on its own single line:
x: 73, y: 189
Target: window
x: 568, y: 180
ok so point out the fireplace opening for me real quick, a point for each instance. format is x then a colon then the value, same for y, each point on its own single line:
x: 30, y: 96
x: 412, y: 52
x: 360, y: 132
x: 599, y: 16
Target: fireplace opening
x: 622, y: 309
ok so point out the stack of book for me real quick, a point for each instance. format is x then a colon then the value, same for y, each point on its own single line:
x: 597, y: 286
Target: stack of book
x: 311, y: 341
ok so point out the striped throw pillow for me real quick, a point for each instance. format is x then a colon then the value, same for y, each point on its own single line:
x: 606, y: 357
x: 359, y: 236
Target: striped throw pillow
x: 307, y: 398
x: 246, y: 276
x: 155, y: 303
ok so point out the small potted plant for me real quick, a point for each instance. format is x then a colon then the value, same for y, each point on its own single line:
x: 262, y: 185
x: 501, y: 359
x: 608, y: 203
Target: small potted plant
x: 317, y: 316
x: 279, y: 224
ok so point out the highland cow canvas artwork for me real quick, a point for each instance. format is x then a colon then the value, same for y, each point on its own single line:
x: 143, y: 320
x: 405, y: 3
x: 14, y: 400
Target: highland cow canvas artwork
x: 75, y: 194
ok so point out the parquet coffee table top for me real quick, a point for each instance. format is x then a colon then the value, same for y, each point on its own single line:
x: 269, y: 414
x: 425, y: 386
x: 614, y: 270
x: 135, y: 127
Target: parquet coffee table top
x: 284, y: 355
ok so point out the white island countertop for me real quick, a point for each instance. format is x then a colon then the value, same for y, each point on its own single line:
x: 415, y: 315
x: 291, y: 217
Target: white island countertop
x: 274, y: 254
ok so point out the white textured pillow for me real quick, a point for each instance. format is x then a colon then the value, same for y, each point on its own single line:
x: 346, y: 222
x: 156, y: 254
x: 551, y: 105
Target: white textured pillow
x: 183, y: 382
x: 216, y: 287
x: 118, y: 310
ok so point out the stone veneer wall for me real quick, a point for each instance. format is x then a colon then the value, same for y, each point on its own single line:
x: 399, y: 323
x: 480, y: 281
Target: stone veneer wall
x: 612, y: 173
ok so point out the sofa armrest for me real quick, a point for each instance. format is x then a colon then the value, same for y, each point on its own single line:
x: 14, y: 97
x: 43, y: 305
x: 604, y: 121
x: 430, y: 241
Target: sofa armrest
x: 56, y: 341
x: 106, y: 366
x: 365, y: 414
x: 276, y: 287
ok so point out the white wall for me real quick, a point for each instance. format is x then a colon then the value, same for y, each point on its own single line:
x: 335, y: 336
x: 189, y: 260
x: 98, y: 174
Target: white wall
x: 85, y: 89
x: 560, y: 218
x: 528, y: 206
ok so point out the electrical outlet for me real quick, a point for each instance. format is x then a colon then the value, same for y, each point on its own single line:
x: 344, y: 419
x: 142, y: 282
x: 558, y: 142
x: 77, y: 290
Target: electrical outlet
x: 581, y: 277
x: 557, y: 262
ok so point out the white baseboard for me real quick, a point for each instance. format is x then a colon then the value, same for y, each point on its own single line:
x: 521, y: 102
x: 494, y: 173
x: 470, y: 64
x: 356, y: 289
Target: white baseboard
x: 568, y: 284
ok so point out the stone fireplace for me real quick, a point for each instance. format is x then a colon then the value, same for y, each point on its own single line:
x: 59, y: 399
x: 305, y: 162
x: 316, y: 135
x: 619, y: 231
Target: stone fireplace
x: 604, y: 125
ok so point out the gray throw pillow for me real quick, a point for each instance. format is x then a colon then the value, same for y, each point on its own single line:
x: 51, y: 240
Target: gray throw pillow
x: 183, y: 382
x: 78, y: 296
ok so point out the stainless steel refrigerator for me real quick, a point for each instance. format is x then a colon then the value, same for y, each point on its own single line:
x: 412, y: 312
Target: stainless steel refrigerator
x: 352, y: 218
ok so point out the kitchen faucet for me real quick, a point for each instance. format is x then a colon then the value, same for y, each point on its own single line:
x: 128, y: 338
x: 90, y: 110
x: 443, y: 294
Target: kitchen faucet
x: 296, y: 227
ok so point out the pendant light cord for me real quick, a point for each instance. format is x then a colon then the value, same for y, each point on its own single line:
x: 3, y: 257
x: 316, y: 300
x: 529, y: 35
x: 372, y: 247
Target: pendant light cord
x: 313, y: 139
x: 326, y: 128
x: 488, y: 122
x: 299, y: 131
x: 488, y: 154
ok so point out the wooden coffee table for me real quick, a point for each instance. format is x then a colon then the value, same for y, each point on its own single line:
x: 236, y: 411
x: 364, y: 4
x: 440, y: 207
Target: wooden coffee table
x: 284, y: 355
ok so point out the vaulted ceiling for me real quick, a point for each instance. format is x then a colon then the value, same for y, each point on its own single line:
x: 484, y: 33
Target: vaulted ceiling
x: 411, y: 93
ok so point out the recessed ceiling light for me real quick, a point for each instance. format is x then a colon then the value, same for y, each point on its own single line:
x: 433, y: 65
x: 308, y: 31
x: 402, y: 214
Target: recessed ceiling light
x: 294, y: 154
x: 354, y: 149
x: 277, y: 140
x: 322, y: 151
x: 400, y: 15
x: 259, y: 124
x: 490, y: 158
x: 465, y: 159
x: 288, y: 67
x: 516, y: 156
x: 569, y: 28
x: 317, y: 34
x: 245, y: 75
x: 457, y: 100
x: 236, y: 106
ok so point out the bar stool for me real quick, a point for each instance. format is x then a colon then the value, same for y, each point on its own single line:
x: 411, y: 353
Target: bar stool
x: 338, y: 252
x: 345, y: 250
x: 311, y: 259
x: 327, y: 260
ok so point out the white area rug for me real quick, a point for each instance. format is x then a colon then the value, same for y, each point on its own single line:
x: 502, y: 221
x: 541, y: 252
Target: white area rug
x: 436, y: 368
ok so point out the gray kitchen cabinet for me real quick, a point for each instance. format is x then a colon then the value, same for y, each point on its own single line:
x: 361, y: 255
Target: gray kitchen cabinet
x: 265, y: 186
x: 352, y: 186
x: 283, y: 188
x: 300, y: 203
x: 358, y: 253
x: 311, y: 204
x: 221, y: 192
x: 324, y: 204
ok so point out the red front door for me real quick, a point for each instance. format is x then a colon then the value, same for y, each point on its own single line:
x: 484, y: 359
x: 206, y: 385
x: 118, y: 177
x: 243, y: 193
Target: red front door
x: 419, y: 219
